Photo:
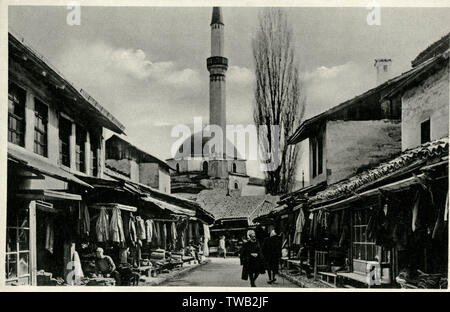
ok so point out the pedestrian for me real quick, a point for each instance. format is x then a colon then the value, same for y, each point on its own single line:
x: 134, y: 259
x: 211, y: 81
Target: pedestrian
x: 251, y: 259
x: 222, y: 247
x: 272, y: 255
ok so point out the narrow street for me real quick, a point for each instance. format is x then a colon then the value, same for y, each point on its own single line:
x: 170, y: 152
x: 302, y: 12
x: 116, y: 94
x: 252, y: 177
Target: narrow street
x: 223, y: 273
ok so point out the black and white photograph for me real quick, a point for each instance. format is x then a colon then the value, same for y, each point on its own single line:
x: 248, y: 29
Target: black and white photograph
x: 219, y: 145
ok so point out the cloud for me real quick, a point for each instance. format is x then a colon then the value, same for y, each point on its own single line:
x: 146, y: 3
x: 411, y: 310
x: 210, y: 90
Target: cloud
x: 240, y: 75
x: 329, y: 86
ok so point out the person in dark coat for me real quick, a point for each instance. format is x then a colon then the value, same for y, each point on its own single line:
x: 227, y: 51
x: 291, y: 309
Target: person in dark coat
x: 272, y: 255
x: 251, y: 259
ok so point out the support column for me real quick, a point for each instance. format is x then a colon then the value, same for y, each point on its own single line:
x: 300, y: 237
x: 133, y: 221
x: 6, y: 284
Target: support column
x: 29, y: 122
x: 87, y: 153
x: 72, y: 147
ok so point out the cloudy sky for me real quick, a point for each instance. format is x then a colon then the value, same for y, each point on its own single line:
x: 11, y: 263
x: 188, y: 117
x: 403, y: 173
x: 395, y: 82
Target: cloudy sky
x: 147, y: 65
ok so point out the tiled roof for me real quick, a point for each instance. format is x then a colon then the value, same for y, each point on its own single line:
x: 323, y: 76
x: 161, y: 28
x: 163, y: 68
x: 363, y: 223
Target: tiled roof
x: 427, y: 151
x: 434, y: 49
x: 235, y: 206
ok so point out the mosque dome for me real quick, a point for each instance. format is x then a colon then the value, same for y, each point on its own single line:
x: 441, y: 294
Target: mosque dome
x: 206, y: 150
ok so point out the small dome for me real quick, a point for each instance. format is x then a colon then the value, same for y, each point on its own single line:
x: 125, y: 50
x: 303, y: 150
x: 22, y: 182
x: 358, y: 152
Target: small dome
x: 232, y: 152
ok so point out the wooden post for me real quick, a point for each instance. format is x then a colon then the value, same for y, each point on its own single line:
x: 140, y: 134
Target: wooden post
x: 32, y: 242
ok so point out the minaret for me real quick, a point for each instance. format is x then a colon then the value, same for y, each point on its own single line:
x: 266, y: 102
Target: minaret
x: 217, y: 66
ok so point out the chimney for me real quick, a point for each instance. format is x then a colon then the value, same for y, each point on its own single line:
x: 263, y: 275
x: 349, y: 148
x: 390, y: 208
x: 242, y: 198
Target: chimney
x: 383, y: 68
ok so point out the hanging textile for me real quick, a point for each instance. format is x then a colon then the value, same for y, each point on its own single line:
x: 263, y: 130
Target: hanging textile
x: 102, y: 226
x: 85, y: 220
x: 300, y: 223
x: 439, y: 226
x: 159, y: 231
x: 164, y: 236
x: 132, y: 230
x: 49, y: 237
x: 173, y: 234
x: 196, y: 232
x: 155, y: 234
x: 140, y: 228
x: 149, y: 230
x: 116, y: 226
x: 206, y: 238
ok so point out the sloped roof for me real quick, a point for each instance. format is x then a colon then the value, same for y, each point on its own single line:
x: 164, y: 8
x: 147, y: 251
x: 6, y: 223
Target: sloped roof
x: 113, y: 151
x: 362, y: 103
x: 234, y: 206
x: 420, y: 154
x: 434, y: 49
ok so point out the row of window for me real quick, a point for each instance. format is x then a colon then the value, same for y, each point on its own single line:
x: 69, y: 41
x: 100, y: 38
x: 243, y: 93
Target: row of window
x: 16, y: 132
x: 205, y: 167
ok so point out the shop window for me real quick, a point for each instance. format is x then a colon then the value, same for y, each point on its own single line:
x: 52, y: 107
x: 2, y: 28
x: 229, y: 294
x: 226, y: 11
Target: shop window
x: 80, y: 140
x: 16, y: 114
x: 65, y: 131
x: 425, y: 131
x: 363, y: 248
x: 40, y: 128
x: 17, y: 262
x: 94, y: 156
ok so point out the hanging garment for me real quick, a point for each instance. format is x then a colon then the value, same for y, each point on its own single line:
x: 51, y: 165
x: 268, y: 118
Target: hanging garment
x: 149, y: 230
x: 173, y: 229
x: 439, y: 226
x: 49, y: 237
x: 190, y: 232
x: 160, y: 233
x: 132, y: 230
x: 299, y: 224
x: 102, y: 226
x: 173, y: 234
x: 196, y: 232
x: 140, y: 227
x: 207, y: 237
x: 116, y: 226
x: 164, y: 236
x: 155, y: 234
x: 415, y: 211
x: 85, y: 219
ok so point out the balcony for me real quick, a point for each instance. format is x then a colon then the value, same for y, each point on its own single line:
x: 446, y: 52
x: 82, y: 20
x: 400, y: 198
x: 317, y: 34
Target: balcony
x: 217, y: 61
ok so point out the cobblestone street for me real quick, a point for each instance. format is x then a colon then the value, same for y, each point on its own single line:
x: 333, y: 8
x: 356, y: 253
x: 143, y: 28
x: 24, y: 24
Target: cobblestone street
x: 223, y: 273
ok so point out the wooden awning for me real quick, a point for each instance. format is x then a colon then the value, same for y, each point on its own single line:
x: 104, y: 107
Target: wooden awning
x: 45, y: 195
x: 171, y: 208
x: 113, y: 205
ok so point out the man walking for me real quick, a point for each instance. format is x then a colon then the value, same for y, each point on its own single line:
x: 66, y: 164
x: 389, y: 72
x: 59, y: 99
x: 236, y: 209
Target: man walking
x: 222, y: 248
x: 272, y: 255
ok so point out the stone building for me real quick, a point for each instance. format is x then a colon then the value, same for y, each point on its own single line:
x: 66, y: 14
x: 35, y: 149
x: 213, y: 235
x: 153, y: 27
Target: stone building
x: 139, y: 166
x: 55, y: 140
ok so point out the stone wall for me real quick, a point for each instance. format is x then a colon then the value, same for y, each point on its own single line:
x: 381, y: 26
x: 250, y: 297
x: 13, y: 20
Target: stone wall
x: 355, y: 145
x: 428, y: 100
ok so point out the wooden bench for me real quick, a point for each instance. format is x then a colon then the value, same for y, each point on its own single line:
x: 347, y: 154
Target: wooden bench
x: 328, y: 278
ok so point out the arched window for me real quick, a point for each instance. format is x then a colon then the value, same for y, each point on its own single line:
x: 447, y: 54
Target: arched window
x: 234, y: 168
x: 205, y: 167
x: 178, y: 167
x: 236, y: 185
